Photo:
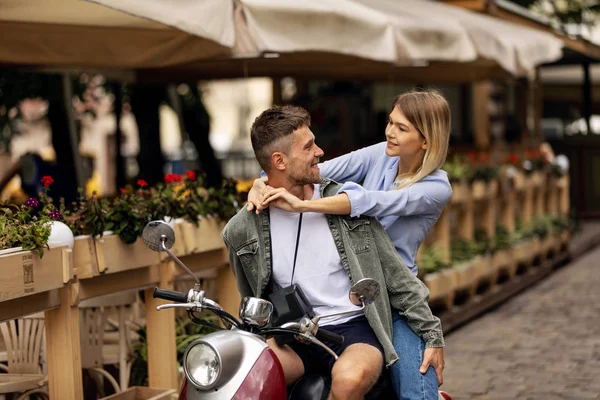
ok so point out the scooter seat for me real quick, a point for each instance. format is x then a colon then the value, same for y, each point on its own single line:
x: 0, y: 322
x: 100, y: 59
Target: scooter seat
x: 318, y: 386
x: 312, y: 386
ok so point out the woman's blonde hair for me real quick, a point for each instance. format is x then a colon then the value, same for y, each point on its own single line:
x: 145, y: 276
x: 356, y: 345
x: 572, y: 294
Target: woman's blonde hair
x: 429, y: 113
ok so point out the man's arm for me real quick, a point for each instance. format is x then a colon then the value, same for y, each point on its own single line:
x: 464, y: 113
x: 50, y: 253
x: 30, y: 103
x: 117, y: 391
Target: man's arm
x: 407, y: 293
x: 238, y: 270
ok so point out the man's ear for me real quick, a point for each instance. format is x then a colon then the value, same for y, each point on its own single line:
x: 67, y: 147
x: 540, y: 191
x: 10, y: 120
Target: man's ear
x: 279, y: 160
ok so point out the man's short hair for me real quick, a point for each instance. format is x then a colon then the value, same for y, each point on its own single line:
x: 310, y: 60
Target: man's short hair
x: 271, y: 127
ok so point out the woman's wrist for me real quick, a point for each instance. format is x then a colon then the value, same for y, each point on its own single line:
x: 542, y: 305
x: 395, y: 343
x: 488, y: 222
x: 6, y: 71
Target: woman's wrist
x: 305, y: 206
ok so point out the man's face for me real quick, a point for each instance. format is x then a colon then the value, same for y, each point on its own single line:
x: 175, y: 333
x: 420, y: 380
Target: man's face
x: 304, y: 157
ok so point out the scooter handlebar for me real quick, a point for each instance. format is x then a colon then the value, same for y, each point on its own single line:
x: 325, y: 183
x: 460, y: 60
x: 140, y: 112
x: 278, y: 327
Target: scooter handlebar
x: 170, y: 295
x: 330, y: 336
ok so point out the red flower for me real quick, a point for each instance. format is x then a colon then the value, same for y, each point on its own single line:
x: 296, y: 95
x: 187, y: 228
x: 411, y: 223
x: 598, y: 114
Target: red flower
x: 123, y: 190
x: 142, y: 183
x: 513, y: 159
x: 47, y: 181
x: 472, y: 156
x: 484, y: 158
x: 191, y: 175
x: 173, y: 178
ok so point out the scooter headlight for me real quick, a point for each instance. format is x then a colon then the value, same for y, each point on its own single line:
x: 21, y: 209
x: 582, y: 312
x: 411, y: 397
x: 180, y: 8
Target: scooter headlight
x: 202, y: 365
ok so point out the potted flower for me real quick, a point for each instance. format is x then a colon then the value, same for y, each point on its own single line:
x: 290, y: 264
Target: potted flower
x: 535, y: 167
x: 437, y: 275
x: 460, y: 175
x: 466, y: 262
x: 485, y: 174
x: 511, y: 173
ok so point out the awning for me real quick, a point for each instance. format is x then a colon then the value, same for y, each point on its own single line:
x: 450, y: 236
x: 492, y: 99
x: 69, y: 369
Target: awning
x: 516, y: 48
x: 165, y: 34
x: 355, y: 29
x: 81, y: 34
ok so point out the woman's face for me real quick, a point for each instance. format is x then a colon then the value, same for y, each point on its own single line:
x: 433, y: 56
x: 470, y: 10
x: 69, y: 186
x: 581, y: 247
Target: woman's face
x: 403, y: 139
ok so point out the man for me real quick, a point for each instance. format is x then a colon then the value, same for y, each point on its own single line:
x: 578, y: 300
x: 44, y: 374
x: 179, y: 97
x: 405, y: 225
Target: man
x: 324, y: 255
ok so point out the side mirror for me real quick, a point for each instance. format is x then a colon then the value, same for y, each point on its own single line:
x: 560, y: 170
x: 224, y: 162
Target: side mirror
x: 157, y: 234
x: 255, y: 311
x: 364, y: 292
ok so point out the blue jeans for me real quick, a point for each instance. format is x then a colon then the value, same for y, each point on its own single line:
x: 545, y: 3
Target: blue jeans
x: 408, y: 382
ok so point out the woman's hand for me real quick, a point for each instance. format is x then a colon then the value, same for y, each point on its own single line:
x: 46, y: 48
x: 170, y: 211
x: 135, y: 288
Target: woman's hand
x: 256, y: 195
x: 282, y: 199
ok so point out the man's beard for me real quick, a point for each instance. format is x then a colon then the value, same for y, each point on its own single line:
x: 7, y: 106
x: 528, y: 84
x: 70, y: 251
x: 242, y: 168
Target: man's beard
x: 305, y: 178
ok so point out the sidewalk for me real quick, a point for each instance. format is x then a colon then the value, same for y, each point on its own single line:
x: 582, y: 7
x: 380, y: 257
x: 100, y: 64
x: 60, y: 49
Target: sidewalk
x: 542, y: 344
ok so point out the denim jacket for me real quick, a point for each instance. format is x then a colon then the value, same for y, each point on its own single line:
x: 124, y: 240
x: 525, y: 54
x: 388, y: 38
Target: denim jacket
x: 365, y: 251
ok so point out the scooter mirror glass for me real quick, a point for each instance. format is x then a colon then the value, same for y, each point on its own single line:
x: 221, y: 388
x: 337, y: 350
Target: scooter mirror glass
x: 364, y: 291
x: 155, y: 233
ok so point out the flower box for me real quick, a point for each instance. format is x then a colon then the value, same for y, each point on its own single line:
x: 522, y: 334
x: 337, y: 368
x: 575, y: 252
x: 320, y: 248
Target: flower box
x: 142, y: 393
x: 518, y: 181
x: 487, y: 271
x: 526, y: 250
x: 205, y: 237
x: 85, y: 261
x: 537, y: 179
x: 479, y: 190
x: 441, y: 284
x: 468, y: 273
x: 461, y: 192
x: 564, y: 238
x: 483, y: 190
x: 116, y: 256
x: 562, y: 182
x: 23, y: 273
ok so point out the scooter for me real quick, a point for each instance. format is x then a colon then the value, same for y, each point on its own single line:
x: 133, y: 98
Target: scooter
x: 236, y: 362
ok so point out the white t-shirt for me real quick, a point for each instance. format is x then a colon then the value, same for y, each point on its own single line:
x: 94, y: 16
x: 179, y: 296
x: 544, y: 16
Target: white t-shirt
x: 319, y: 270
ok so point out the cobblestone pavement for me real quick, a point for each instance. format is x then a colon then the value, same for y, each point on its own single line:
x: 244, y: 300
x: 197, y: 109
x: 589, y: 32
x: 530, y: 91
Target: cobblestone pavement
x: 543, y: 344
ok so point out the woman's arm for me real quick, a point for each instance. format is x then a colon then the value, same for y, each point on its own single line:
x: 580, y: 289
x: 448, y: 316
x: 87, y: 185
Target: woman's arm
x: 422, y: 198
x: 281, y: 198
x: 353, y: 166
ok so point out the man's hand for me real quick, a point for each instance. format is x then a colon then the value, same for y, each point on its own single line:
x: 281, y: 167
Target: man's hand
x: 434, y: 356
x: 282, y: 199
x: 256, y: 196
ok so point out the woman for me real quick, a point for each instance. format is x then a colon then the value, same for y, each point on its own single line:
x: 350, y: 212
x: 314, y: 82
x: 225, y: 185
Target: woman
x: 404, y: 187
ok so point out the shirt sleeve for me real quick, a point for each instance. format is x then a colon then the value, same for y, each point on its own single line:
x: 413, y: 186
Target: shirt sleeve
x: 353, y: 166
x: 422, y: 198
x: 407, y: 294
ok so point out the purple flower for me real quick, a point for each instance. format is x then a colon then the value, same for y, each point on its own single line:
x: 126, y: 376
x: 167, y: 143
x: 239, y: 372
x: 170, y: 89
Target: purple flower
x: 55, y: 215
x: 32, y: 202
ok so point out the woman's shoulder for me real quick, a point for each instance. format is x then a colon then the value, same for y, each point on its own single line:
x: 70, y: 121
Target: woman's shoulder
x: 438, y: 185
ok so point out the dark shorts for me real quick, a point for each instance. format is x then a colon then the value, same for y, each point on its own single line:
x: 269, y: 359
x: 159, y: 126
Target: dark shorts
x: 318, y: 360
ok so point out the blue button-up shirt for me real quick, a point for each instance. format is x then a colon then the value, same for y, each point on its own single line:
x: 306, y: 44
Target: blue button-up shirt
x: 407, y: 214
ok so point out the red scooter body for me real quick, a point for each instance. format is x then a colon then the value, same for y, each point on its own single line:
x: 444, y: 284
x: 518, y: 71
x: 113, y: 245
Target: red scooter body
x: 265, y: 381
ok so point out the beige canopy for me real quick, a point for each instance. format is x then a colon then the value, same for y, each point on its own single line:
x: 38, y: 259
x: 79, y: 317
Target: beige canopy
x: 184, y: 34
x: 81, y: 34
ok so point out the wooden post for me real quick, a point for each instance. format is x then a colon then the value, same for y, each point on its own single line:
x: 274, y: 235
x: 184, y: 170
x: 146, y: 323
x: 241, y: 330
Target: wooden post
x: 160, y: 331
x: 481, y: 115
x: 540, y: 200
x: 466, y: 221
x: 442, y: 236
x: 526, y: 213
x: 507, y: 213
x: 229, y: 296
x: 552, y: 193
x: 63, y: 347
x: 565, y: 204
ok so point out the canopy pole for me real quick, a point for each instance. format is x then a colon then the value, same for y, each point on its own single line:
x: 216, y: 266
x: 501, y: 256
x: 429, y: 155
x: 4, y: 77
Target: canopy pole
x: 587, y: 96
x: 68, y: 100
